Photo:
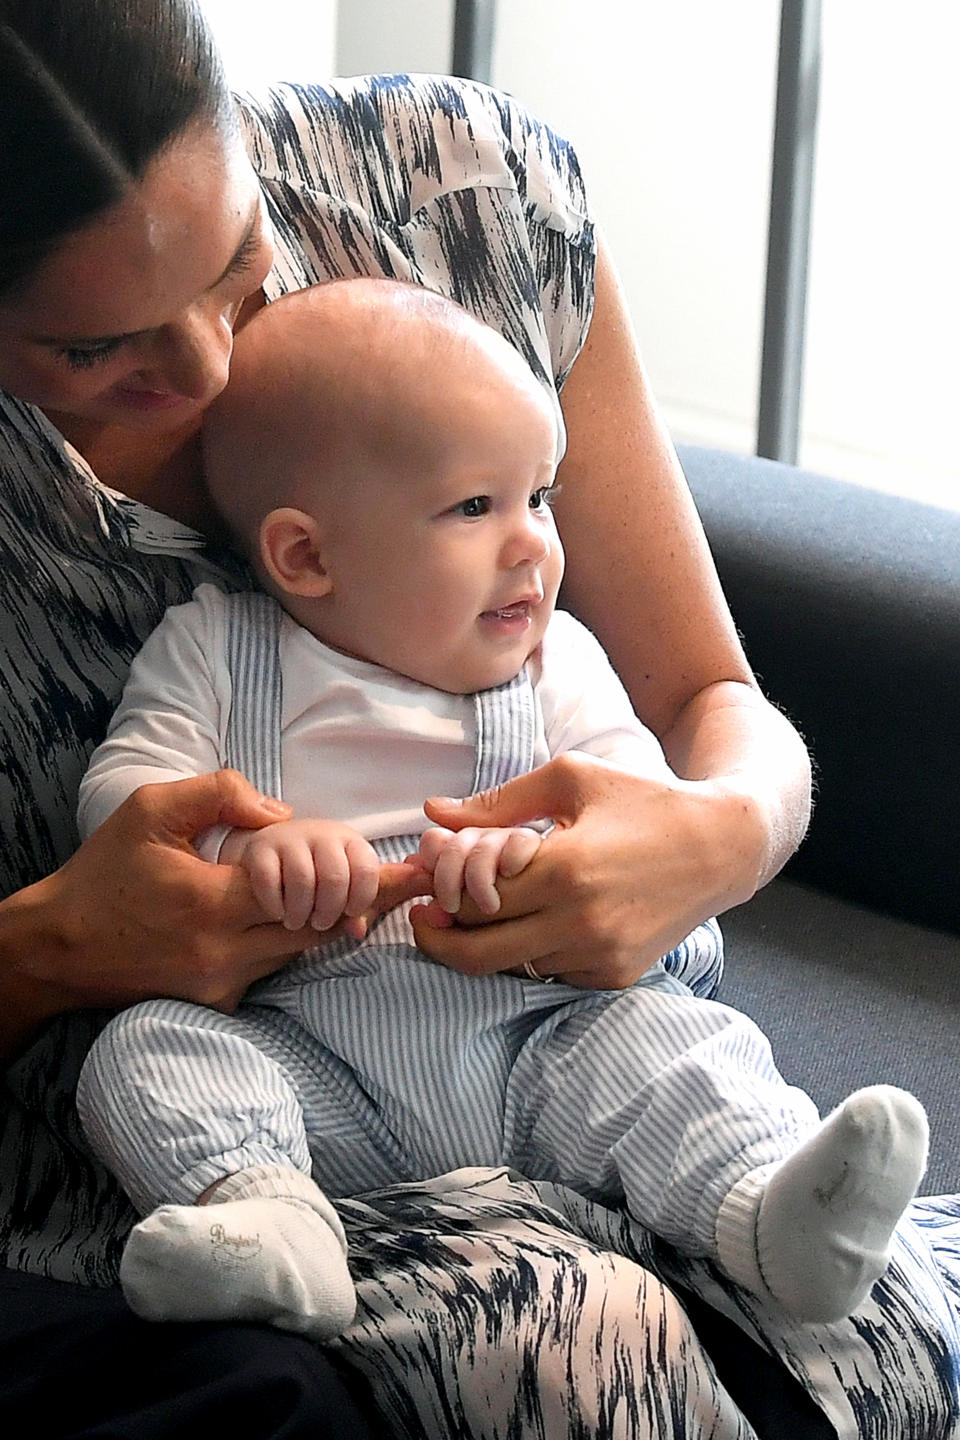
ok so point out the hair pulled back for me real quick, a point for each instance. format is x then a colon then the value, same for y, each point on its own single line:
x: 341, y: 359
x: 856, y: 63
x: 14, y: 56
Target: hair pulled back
x: 90, y: 92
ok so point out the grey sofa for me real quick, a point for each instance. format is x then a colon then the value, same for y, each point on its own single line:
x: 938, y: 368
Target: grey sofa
x: 849, y: 605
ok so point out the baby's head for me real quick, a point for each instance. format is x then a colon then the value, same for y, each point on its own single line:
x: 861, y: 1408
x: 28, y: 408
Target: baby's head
x: 385, y: 460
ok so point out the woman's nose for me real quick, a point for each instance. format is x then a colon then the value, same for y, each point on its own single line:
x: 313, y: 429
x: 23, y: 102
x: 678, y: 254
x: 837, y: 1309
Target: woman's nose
x: 193, y: 357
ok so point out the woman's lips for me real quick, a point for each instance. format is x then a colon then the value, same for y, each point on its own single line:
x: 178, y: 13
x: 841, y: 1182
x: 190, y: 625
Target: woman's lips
x: 148, y: 399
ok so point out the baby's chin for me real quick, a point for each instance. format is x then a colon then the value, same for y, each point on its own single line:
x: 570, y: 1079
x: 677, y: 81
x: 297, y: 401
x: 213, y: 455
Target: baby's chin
x: 490, y: 676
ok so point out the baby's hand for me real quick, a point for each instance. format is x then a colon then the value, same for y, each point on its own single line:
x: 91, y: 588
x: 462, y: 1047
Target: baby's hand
x: 308, y: 872
x: 473, y: 860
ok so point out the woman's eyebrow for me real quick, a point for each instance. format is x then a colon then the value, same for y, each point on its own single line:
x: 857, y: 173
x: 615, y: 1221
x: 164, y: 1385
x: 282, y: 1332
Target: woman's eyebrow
x: 68, y: 340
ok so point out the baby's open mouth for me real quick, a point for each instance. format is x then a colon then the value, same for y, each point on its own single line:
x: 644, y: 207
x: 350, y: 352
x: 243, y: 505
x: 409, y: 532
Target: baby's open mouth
x: 511, y: 612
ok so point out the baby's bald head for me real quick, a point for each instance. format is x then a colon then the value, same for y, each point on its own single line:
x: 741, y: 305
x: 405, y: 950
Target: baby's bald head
x: 339, y: 381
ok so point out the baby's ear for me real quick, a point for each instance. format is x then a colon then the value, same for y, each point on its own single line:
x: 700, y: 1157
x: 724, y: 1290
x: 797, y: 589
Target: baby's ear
x: 292, y: 552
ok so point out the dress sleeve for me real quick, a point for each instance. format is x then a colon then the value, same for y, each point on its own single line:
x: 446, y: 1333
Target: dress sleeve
x: 443, y: 182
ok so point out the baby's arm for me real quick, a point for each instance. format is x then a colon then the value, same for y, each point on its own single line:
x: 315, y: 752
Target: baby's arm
x: 472, y: 861
x: 167, y: 724
x: 308, y: 872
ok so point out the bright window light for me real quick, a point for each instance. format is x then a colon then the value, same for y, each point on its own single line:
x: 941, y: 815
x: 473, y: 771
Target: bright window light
x: 286, y: 40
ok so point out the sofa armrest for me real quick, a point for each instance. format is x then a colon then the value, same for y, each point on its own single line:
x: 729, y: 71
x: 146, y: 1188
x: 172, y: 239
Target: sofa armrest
x: 849, y: 605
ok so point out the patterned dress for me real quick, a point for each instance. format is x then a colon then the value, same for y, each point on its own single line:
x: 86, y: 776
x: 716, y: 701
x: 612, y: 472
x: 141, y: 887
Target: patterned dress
x: 489, y: 1307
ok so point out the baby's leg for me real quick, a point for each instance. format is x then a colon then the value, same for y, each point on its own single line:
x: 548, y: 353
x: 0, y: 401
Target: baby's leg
x: 674, y: 1105
x: 183, y: 1104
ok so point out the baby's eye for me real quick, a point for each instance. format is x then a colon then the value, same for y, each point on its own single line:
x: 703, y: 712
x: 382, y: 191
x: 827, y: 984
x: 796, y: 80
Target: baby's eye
x: 473, y: 508
x: 544, y: 497
x: 81, y: 357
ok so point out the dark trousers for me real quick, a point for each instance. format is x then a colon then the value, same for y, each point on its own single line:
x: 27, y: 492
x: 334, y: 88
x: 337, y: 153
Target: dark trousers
x: 77, y: 1363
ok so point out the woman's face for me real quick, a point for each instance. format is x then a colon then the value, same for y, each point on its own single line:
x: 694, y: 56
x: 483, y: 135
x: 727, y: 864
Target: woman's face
x: 130, y: 321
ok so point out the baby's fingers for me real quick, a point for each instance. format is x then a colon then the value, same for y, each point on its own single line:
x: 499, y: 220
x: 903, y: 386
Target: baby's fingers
x: 263, y: 867
x: 521, y: 846
x: 301, y: 884
x: 432, y: 845
x: 331, y: 886
x: 448, y: 871
x: 497, y: 853
x: 364, y: 869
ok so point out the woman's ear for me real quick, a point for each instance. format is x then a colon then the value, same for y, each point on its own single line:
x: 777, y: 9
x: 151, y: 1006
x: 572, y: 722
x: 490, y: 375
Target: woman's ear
x: 291, y: 551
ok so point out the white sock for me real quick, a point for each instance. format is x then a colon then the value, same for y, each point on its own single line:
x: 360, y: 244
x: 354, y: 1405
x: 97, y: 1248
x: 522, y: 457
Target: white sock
x: 815, y: 1231
x: 267, y: 1246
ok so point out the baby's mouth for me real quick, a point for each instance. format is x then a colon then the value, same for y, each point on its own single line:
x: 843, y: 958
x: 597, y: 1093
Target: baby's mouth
x: 518, y: 610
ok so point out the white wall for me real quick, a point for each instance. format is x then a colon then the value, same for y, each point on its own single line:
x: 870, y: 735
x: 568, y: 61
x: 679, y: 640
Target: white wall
x: 883, y: 361
x: 280, y: 40
x: 378, y: 36
x: 671, y: 108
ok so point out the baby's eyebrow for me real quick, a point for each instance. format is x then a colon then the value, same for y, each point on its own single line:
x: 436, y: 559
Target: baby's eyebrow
x: 93, y: 340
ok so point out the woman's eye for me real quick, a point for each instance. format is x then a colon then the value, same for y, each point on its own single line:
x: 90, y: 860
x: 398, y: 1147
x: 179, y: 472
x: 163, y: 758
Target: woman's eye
x: 476, y: 506
x: 81, y: 357
x: 249, y: 251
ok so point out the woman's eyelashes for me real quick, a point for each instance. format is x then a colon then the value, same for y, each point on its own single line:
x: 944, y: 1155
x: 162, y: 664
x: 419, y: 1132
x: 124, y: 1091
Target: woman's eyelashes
x: 249, y: 251
x: 82, y: 357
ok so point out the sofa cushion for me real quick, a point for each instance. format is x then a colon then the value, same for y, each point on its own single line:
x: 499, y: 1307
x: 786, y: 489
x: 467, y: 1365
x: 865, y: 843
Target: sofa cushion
x: 849, y: 604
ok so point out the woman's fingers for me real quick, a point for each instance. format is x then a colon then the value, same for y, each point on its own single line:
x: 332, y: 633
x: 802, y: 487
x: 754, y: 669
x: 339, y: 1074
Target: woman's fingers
x: 486, y: 950
x: 556, y: 791
x: 180, y: 809
x: 397, y: 884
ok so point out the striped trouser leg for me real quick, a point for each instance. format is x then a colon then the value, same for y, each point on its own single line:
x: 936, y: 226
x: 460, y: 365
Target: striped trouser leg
x: 654, y: 1097
x: 174, y: 1096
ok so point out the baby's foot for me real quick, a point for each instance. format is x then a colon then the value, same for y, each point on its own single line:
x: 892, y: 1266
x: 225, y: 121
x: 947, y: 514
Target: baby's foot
x: 260, y: 1258
x: 826, y: 1216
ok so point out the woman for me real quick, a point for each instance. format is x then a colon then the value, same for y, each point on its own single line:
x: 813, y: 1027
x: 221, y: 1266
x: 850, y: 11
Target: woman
x: 135, y: 238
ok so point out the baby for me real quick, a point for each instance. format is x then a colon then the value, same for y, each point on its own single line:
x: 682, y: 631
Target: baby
x: 388, y: 463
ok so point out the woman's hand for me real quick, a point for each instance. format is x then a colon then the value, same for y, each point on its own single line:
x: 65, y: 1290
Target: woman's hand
x: 136, y: 913
x: 630, y: 868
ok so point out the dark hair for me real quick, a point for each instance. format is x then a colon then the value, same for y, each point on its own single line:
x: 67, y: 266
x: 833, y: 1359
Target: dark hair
x: 90, y: 92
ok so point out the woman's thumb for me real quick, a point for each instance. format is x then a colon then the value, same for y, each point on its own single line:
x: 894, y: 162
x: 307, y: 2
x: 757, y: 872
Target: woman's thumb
x: 544, y: 794
x: 185, y: 807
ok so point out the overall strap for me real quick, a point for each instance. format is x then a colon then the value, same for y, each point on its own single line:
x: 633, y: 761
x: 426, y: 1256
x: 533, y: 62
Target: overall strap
x: 506, y: 731
x: 253, y: 654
